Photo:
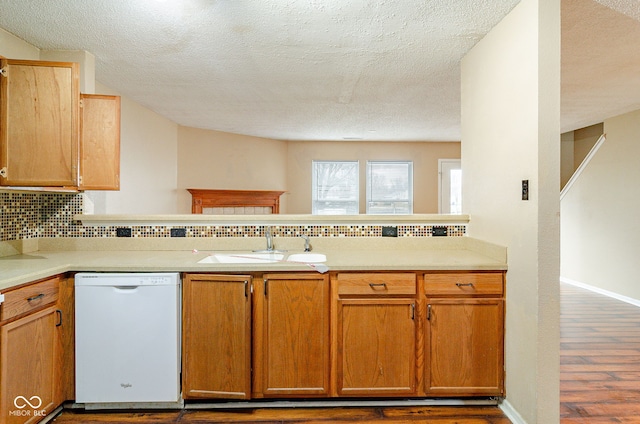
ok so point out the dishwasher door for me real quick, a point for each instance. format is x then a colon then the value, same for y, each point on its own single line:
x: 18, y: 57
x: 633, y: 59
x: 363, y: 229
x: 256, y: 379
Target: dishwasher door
x: 127, y: 337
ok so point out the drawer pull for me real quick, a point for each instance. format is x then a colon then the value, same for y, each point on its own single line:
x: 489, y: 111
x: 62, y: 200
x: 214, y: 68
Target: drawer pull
x: 464, y: 284
x: 375, y: 285
x: 32, y: 298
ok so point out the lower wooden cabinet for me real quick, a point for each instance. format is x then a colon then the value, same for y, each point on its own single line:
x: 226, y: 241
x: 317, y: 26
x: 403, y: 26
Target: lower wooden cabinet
x: 216, y: 329
x: 33, y: 363
x: 464, y: 349
x: 346, y: 334
x: 464, y: 340
x: 376, y: 349
x: 375, y: 334
x: 291, y: 335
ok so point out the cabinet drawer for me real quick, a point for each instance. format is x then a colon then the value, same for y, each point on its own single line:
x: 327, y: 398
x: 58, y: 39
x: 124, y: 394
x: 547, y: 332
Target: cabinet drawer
x: 28, y: 298
x: 464, y: 284
x: 377, y: 284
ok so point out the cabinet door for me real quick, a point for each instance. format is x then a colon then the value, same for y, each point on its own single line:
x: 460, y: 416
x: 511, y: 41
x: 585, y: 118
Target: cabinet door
x: 99, y: 142
x: 39, y: 123
x: 376, y: 347
x: 465, y: 350
x: 216, y: 334
x: 29, y: 369
x: 292, y: 336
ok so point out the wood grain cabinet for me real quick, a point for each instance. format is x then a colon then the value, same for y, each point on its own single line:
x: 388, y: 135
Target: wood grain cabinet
x: 291, y: 335
x: 32, y: 359
x: 464, y: 334
x: 39, y: 123
x: 375, y: 334
x: 216, y: 336
x: 99, y: 142
x: 346, y: 334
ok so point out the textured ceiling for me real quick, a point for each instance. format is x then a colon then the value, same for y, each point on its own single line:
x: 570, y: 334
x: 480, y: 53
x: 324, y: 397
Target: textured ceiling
x: 321, y: 69
x: 600, y: 60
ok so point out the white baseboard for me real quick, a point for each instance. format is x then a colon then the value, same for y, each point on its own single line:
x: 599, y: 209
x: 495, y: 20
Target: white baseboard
x: 511, y: 412
x: 622, y: 298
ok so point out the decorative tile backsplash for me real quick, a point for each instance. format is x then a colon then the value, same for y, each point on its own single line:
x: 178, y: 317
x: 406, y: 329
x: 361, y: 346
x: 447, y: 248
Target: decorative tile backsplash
x: 32, y: 215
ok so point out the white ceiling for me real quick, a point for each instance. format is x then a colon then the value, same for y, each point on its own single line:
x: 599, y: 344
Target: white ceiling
x: 324, y: 69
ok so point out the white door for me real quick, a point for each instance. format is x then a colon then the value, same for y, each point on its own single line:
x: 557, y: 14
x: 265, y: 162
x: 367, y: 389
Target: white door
x: 450, y: 186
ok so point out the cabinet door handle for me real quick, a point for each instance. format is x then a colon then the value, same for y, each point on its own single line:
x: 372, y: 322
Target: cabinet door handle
x: 429, y: 312
x: 374, y: 285
x: 36, y: 297
x: 246, y: 286
x: 266, y: 287
x: 464, y: 284
x: 59, y: 313
x: 413, y: 311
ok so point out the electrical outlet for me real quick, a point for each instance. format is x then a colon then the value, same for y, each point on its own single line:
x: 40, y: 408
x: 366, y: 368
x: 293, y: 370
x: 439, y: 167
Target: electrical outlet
x: 439, y: 231
x: 123, y: 232
x: 525, y: 189
x: 389, y: 231
x: 178, y: 232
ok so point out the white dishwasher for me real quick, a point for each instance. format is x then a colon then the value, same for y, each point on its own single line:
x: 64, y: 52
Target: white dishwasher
x: 127, y: 339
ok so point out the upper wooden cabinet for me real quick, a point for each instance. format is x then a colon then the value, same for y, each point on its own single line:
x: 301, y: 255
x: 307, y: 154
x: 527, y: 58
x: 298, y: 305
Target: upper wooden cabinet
x: 39, y: 123
x: 99, y: 142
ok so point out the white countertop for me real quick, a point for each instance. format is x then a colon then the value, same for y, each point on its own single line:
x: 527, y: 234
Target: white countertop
x: 342, y: 255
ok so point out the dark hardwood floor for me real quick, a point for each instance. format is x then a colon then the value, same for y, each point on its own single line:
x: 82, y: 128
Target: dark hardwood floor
x: 599, y: 380
x: 387, y: 415
x: 599, y: 358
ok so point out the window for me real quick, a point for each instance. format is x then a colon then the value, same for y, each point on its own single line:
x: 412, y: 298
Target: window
x: 389, y: 187
x: 335, y: 187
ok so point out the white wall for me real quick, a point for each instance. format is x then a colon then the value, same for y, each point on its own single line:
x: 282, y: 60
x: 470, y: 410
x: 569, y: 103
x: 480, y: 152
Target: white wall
x: 510, y: 133
x: 600, y: 231
x: 14, y: 48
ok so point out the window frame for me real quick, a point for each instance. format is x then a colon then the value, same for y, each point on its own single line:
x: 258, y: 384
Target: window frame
x: 369, y: 187
x: 315, y: 210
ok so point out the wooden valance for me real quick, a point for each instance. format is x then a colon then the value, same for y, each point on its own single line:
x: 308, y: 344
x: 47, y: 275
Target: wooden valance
x: 201, y: 198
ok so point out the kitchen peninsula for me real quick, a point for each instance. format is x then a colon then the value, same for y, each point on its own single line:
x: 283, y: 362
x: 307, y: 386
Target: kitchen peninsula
x: 392, y: 317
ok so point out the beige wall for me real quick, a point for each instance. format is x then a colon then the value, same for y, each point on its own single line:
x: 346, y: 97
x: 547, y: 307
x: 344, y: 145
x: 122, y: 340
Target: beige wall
x: 583, y: 141
x: 566, y: 158
x: 510, y: 133
x: 600, y: 242
x: 575, y: 146
x: 218, y: 160
x: 212, y: 159
x: 425, y: 167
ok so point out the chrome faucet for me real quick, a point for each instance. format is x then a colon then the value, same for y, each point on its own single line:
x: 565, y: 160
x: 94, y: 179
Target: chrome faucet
x: 267, y: 234
x: 307, y: 245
